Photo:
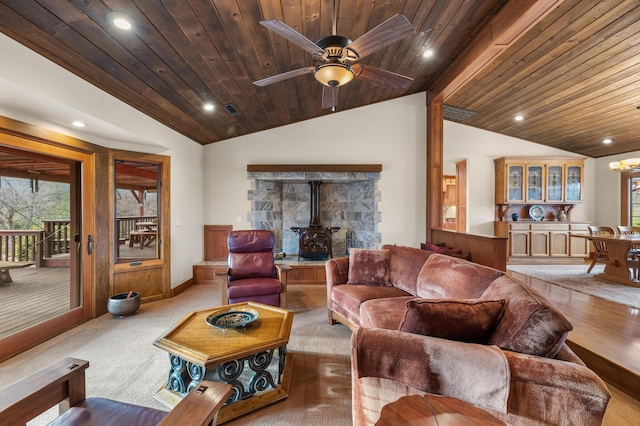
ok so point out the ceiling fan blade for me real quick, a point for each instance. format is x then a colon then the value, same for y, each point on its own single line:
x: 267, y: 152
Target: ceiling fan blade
x: 393, y: 29
x: 284, y: 76
x: 330, y: 97
x: 384, y: 78
x: 292, y: 35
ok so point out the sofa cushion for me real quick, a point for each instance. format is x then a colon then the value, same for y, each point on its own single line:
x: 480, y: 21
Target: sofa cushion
x: 470, y: 320
x: 446, y: 277
x: 405, y: 264
x: 383, y: 313
x: 349, y: 297
x: 529, y: 324
x: 368, y: 267
x: 254, y: 287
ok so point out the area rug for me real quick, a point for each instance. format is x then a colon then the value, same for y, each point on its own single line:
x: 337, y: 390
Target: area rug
x: 575, y: 277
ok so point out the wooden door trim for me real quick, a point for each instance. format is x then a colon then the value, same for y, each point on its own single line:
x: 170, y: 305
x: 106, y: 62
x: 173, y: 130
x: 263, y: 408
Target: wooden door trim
x: 164, y: 217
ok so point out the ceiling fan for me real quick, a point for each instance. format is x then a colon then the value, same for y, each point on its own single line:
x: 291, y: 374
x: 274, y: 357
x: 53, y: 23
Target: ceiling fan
x: 336, y: 57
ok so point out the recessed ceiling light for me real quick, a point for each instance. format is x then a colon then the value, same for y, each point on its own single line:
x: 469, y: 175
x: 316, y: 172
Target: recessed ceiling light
x: 518, y: 118
x: 78, y: 123
x: 428, y: 53
x: 208, y: 107
x: 607, y: 140
x: 120, y: 20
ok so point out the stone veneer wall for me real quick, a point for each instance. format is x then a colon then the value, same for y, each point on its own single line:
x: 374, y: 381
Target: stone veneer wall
x: 349, y: 200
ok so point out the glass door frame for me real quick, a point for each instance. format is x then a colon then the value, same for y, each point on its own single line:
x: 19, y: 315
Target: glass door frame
x: 29, y: 337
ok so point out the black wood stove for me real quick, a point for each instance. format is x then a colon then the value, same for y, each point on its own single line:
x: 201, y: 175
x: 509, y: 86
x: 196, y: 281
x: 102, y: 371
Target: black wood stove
x: 315, y: 240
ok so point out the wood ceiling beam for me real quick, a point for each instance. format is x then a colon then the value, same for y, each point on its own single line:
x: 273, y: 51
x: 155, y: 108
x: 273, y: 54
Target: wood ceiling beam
x: 8, y: 172
x: 505, y: 28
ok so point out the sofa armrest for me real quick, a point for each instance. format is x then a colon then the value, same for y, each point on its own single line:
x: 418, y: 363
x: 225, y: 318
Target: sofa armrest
x: 337, y: 273
x: 554, y: 391
x: 337, y: 270
x: 474, y: 373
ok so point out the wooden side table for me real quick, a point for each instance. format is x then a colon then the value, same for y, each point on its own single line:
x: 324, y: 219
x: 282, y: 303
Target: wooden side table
x: 429, y: 409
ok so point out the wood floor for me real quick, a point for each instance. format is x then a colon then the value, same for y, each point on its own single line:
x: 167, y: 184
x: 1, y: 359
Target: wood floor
x: 606, y: 335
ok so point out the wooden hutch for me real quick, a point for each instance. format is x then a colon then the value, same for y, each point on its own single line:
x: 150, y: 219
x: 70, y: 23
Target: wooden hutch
x: 541, y: 191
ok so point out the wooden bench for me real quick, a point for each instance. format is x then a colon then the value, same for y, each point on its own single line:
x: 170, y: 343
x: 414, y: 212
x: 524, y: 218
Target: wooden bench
x: 5, y: 267
x: 144, y: 238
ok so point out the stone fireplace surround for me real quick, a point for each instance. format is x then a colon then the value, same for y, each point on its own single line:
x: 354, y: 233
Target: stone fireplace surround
x: 280, y: 199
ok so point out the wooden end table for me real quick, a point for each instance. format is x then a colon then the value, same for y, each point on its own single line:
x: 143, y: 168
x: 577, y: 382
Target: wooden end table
x: 432, y: 410
x: 253, y: 360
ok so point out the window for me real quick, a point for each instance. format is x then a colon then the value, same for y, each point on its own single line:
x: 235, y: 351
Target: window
x: 634, y: 200
x: 137, y: 223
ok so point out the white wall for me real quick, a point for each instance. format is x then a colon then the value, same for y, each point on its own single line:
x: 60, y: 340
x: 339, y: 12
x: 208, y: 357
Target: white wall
x: 391, y: 133
x: 365, y: 136
x: 480, y: 148
x: 58, y: 93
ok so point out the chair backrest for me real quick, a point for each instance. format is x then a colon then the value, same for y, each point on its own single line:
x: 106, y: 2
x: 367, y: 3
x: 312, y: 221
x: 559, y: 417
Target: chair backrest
x: 601, y: 230
x: 628, y: 230
x: 251, y: 254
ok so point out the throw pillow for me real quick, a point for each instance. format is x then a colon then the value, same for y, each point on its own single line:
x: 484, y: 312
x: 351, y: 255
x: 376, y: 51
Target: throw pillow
x: 431, y: 247
x: 471, y: 320
x: 368, y: 267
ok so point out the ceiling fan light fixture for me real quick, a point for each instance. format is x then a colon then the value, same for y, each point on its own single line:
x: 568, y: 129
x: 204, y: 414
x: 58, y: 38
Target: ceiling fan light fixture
x: 327, y: 74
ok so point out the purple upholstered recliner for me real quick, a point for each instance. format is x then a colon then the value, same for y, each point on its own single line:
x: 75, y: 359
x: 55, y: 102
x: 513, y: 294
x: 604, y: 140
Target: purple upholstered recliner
x: 252, y: 274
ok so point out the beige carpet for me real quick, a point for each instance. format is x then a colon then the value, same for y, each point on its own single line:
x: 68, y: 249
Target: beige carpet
x: 575, y: 277
x: 126, y: 366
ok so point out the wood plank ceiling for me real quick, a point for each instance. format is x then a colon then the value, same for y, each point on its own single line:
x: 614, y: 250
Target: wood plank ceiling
x: 574, y: 76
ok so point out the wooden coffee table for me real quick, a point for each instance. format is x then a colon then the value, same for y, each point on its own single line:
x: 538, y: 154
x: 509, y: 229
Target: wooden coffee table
x: 429, y: 409
x: 253, y: 359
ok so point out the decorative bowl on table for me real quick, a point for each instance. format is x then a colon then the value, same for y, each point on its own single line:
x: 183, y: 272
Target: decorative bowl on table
x: 234, y: 318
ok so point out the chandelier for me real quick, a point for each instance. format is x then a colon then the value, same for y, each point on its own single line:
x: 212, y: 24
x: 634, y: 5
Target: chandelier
x: 628, y: 165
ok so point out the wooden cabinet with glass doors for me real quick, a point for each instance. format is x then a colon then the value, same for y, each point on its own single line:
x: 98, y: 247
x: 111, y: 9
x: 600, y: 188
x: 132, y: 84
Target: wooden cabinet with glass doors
x: 552, y: 185
x: 521, y: 182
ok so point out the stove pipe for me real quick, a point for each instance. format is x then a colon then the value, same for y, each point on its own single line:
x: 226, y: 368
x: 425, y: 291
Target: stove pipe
x: 314, y: 211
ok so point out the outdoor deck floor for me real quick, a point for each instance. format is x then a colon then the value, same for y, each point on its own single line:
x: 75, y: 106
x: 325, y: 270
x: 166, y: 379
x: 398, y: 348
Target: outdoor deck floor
x: 34, y: 296
x: 39, y: 294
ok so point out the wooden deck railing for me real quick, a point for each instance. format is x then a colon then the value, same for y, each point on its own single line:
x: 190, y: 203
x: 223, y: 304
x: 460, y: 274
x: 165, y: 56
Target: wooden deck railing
x: 57, y: 237
x: 22, y: 246
x: 126, y: 224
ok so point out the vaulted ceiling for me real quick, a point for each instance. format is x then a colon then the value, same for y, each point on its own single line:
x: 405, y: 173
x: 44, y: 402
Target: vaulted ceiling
x: 574, y: 76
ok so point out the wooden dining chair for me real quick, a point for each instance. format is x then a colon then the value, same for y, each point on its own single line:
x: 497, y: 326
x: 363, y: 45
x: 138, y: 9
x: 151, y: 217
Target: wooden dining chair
x: 634, y: 250
x: 602, y: 253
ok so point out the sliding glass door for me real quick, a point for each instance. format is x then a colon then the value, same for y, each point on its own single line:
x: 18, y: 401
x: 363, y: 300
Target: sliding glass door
x: 46, y: 205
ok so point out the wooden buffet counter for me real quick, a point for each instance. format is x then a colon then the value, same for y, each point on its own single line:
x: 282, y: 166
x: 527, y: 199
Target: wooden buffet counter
x: 544, y: 240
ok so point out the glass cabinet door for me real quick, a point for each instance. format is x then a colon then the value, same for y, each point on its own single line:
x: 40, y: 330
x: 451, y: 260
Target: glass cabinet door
x: 515, y: 189
x: 554, y: 183
x: 574, y: 183
x: 535, y: 183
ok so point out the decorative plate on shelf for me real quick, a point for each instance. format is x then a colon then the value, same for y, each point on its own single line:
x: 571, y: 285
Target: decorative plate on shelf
x: 234, y: 318
x: 536, y: 212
